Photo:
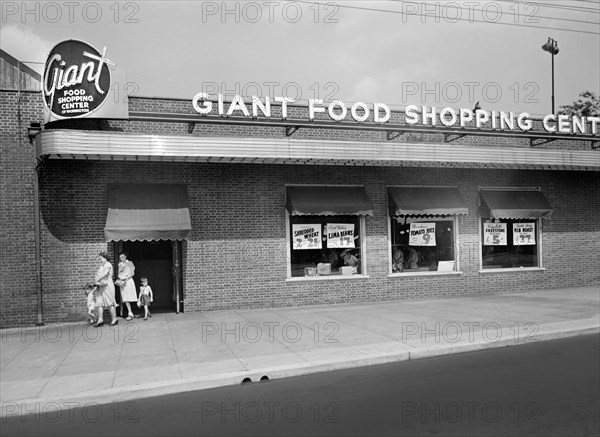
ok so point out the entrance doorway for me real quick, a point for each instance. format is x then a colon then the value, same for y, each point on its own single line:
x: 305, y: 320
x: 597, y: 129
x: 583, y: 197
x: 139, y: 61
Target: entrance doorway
x: 156, y: 260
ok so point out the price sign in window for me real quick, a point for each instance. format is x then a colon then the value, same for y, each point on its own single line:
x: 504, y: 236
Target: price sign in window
x: 306, y: 236
x: 494, y: 234
x: 340, y: 235
x: 422, y: 234
x: 523, y: 234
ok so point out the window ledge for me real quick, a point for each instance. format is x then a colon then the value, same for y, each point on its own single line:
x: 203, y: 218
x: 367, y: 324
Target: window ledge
x: 326, y: 278
x: 513, y: 270
x: 402, y: 275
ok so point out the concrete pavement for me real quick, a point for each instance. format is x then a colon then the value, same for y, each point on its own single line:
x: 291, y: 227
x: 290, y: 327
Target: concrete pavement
x: 74, y: 365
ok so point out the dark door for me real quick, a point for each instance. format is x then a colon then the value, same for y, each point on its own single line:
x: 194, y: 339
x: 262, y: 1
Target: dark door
x: 154, y: 260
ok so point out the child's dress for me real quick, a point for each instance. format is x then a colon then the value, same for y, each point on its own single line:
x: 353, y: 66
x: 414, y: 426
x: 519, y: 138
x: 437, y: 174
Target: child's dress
x: 91, y: 302
x: 145, y: 295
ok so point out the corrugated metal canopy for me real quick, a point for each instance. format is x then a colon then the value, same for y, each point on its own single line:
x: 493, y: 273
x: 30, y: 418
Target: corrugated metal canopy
x: 426, y: 201
x: 101, y: 145
x: 146, y: 212
x: 509, y: 204
x: 328, y: 200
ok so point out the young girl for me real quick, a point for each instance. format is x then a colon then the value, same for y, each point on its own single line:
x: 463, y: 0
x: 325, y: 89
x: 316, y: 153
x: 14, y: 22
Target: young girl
x: 145, y: 297
x: 90, y: 290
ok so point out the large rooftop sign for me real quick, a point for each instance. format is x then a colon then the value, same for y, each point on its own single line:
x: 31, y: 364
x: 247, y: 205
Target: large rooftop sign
x: 380, y: 113
x: 78, y: 82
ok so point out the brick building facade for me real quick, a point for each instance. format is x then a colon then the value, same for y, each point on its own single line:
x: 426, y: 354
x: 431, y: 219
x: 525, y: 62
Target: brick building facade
x: 237, y: 252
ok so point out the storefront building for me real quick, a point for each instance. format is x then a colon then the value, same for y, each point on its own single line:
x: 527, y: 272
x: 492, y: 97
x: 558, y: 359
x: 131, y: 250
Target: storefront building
x: 271, y: 203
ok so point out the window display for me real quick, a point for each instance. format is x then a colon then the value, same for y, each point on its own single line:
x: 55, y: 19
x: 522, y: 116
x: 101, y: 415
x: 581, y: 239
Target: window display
x: 509, y: 243
x: 424, y: 228
x: 325, y: 245
x: 510, y: 227
x: 423, y: 244
x: 325, y: 226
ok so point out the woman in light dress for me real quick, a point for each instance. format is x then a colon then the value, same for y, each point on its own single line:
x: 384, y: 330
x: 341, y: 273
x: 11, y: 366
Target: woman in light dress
x: 126, y: 283
x: 105, y: 293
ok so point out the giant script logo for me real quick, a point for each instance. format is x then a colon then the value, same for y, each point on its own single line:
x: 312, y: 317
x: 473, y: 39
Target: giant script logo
x: 76, y: 79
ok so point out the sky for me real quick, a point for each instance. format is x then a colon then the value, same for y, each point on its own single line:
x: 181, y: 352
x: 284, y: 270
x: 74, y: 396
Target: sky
x: 428, y: 53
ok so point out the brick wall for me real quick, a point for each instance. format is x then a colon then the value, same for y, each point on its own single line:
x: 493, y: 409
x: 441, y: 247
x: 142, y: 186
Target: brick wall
x: 17, y: 239
x: 235, y: 256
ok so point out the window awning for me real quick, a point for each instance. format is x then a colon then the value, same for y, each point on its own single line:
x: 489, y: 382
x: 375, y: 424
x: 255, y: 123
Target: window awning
x: 426, y: 201
x: 328, y: 200
x: 514, y: 204
x: 146, y: 212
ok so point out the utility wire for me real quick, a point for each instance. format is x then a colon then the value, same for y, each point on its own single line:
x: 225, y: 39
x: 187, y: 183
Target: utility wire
x: 459, y: 19
x: 587, y: 1
x: 552, y: 6
x: 515, y: 13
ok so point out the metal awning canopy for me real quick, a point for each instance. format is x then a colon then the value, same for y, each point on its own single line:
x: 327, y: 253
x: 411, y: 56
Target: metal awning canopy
x: 147, y: 212
x: 328, y: 200
x: 111, y: 146
x: 513, y: 204
x: 426, y: 201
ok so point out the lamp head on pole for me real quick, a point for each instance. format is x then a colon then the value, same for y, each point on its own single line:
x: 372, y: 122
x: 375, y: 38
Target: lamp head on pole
x: 551, y: 46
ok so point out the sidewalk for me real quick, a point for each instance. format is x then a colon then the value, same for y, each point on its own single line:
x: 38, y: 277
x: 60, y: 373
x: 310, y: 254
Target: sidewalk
x: 75, y: 364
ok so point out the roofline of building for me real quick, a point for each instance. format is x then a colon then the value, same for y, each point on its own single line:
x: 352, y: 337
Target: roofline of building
x: 293, y: 105
x: 21, y: 66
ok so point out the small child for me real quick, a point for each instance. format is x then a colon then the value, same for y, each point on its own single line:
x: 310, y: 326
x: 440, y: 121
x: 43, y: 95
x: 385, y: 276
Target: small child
x: 146, y: 297
x: 90, y: 291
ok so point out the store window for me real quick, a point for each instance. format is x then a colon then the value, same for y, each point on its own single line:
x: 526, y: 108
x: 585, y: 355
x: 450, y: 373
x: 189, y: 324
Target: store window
x: 511, y: 227
x: 326, y: 230
x: 423, y: 228
x: 509, y: 243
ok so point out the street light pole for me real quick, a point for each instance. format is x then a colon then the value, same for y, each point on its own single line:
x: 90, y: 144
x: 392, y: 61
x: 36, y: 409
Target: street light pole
x: 551, y: 47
